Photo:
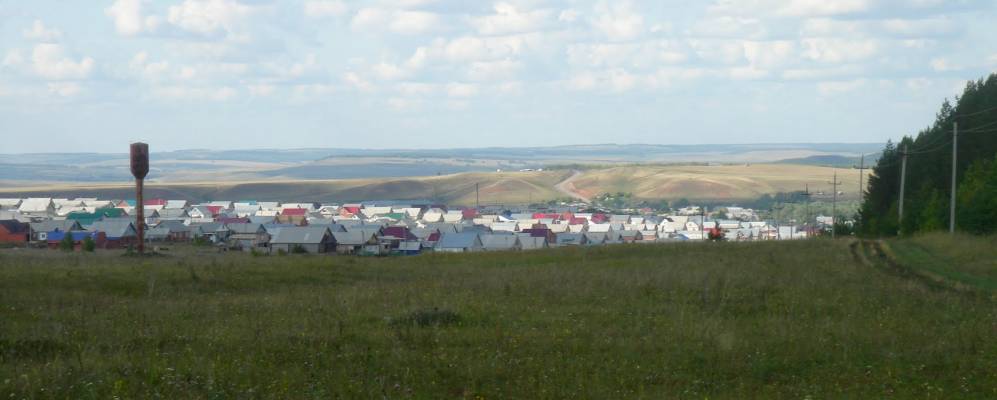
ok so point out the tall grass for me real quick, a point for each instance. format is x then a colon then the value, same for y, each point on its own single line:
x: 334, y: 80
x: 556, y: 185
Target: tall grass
x: 757, y: 320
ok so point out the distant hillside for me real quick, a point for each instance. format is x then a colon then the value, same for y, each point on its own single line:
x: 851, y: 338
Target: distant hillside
x: 458, y: 189
x: 832, y: 161
x: 671, y: 182
x: 294, y: 164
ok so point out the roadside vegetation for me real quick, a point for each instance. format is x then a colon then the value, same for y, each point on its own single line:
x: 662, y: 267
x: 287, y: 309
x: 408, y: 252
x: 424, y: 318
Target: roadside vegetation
x: 799, y: 319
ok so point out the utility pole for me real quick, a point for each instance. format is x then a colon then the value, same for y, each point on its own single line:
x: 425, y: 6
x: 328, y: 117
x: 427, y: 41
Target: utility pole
x: 834, y: 204
x: 955, y: 147
x: 861, y: 176
x: 477, y: 196
x: 903, y: 181
x: 806, y: 194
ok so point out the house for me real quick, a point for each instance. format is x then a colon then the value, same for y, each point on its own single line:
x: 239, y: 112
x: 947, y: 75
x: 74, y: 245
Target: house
x: 86, y: 219
x: 13, y: 231
x: 453, y: 216
x: 310, y: 239
x: 37, y: 207
x: 409, y: 248
x: 214, y: 232
x: 462, y: 242
x: 173, y: 214
x: 295, y: 216
x: 629, y: 236
x: 200, y: 215
x: 40, y: 230
x: 432, y: 215
x: 55, y: 239
x: 119, y: 233
x: 356, y: 242
x: 169, y: 231
x: 595, y: 238
x: 532, y: 243
x: 500, y: 242
x: 247, y: 236
x: 571, y: 239
x: 176, y: 204
x: 10, y: 204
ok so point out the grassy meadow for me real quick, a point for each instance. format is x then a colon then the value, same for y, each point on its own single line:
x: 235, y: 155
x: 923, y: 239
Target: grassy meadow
x: 809, y: 319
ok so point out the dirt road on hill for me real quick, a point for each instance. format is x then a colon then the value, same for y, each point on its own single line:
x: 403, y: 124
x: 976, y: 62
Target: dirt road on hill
x: 568, y: 188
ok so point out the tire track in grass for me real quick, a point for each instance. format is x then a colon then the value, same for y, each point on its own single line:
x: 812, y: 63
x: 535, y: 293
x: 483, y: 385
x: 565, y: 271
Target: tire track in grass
x: 878, y: 255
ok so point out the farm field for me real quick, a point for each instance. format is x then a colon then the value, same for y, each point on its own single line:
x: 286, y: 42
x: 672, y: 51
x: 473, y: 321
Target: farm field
x: 710, y: 320
x: 672, y: 182
x: 712, y: 182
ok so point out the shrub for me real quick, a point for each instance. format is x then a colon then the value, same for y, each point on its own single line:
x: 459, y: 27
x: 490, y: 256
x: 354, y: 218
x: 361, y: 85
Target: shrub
x: 427, y: 317
x: 298, y: 249
x: 88, y: 244
x: 66, y: 244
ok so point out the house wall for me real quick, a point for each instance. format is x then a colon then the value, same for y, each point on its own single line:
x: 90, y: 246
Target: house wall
x: 7, y: 237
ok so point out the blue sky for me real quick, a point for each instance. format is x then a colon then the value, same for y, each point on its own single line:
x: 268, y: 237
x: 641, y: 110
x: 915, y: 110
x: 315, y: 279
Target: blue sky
x: 227, y: 74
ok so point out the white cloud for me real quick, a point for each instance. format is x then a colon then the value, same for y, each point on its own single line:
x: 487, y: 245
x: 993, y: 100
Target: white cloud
x: 50, y: 62
x: 416, y: 88
x: 805, y: 8
x: 261, y: 90
x: 414, y: 22
x: 569, y: 15
x: 508, y: 19
x: 831, y: 88
x: 385, y: 71
x: 223, y: 93
x: 40, y: 33
x: 618, y: 21
x: 128, y: 19
x: 152, y: 71
x: 325, y: 8
x: 942, y: 64
x: 372, y: 19
x: 462, y: 90
x: 838, y: 50
x: 353, y: 79
x: 64, y: 89
x: 493, y: 70
x: 208, y: 17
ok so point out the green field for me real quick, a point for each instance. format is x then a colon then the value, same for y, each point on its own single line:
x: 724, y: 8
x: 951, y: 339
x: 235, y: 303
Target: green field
x: 810, y: 319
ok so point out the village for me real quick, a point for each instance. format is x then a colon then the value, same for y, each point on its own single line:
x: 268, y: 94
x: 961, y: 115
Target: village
x: 370, y: 228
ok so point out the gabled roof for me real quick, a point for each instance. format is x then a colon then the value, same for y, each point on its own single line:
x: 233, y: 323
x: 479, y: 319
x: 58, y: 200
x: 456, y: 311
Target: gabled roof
x: 463, y: 240
x: 245, y: 228
x: 10, y: 203
x: 532, y: 243
x: 14, y: 226
x: 63, y: 225
x: 176, y: 203
x: 113, y: 228
x: 354, y: 238
x: 571, y: 238
x: 301, y: 235
x: 36, y: 205
x: 500, y: 242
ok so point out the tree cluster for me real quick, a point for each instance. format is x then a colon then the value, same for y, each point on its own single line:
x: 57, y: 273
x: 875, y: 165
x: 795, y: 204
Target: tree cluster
x: 929, y: 169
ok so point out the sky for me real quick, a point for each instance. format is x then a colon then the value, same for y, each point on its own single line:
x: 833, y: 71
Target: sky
x: 93, y: 76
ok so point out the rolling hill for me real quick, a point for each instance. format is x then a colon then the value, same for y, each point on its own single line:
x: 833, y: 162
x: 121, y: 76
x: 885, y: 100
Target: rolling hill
x: 713, y: 182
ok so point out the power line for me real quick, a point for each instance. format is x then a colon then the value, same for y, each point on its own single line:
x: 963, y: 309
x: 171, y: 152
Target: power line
x: 984, y: 111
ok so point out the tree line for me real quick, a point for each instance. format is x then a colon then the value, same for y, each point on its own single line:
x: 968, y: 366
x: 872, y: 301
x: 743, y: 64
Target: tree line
x: 929, y: 171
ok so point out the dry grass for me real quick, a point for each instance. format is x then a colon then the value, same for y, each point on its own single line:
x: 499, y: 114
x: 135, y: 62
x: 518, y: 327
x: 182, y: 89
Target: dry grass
x: 714, y: 182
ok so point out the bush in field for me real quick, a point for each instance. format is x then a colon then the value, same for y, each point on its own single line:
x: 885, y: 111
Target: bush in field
x: 66, y: 244
x: 427, y: 317
x: 88, y: 244
x: 297, y: 249
x: 201, y: 241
